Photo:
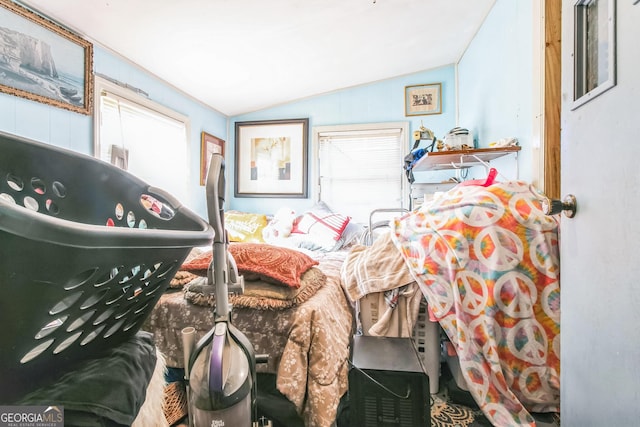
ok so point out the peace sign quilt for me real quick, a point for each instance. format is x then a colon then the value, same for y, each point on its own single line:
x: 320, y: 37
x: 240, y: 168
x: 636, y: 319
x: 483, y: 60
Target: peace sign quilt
x: 487, y: 261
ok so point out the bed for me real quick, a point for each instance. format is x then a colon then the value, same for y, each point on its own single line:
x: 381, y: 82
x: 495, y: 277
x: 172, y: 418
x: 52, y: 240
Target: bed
x: 484, y: 258
x: 304, y: 330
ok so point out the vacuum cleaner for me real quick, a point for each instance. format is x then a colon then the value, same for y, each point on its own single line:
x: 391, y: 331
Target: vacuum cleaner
x: 220, y: 370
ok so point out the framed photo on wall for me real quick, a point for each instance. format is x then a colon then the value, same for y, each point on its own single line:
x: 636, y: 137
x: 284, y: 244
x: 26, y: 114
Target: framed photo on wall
x: 47, y: 63
x: 209, y: 144
x: 271, y: 158
x: 422, y: 100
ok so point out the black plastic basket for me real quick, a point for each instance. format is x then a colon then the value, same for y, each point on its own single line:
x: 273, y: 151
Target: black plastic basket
x: 86, y: 250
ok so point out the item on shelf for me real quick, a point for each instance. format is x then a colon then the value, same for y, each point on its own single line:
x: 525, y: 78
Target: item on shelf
x: 424, y: 134
x: 416, y: 153
x: 504, y: 142
x: 458, y: 139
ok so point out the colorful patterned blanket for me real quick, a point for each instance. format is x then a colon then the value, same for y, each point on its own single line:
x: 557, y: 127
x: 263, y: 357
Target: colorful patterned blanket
x: 487, y: 261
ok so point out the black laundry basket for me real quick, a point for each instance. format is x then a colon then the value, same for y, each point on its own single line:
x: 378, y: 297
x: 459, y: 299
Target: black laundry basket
x: 86, y: 250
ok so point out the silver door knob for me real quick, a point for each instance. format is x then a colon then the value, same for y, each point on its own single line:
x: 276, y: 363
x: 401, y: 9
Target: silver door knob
x: 567, y: 205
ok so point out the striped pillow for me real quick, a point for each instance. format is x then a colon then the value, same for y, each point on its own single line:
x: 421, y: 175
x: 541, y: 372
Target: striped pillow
x: 322, y: 225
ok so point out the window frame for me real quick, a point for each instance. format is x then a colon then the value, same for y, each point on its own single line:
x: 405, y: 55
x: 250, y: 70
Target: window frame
x: 129, y: 95
x: 381, y: 126
x: 580, y: 31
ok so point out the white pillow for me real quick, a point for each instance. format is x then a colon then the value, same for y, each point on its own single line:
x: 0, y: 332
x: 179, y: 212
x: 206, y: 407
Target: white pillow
x: 323, y: 225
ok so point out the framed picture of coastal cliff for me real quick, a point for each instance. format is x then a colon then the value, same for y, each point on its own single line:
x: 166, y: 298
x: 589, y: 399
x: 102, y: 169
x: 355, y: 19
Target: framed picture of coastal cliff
x: 271, y: 158
x: 44, y: 62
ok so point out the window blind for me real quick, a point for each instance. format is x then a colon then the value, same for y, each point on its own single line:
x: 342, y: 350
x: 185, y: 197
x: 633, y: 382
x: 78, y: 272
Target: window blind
x: 155, y: 143
x: 361, y: 170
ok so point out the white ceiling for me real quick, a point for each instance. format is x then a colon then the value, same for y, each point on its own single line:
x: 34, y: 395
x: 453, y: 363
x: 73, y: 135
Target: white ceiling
x: 238, y: 56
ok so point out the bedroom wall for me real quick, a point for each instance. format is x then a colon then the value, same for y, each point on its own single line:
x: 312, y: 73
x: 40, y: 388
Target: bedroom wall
x: 495, y: 83
x: 494, y: 79
x: 493, y: 98
x: 377, y: 102
x: 71, y: 130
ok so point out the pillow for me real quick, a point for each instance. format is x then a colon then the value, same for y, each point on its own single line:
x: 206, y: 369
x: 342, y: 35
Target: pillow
x: 323, y: 225
x: 311, y: 242
x: 244, y: 227
x: 272, y: 264
x: 263, y: 295
x: 198, y: 265
x: 352, y: 234
x: 321, y: 207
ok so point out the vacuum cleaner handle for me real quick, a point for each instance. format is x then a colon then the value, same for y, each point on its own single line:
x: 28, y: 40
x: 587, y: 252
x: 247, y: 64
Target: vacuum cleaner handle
x: 216, y: 380
x: 215, y: 192
x: 218, y: 273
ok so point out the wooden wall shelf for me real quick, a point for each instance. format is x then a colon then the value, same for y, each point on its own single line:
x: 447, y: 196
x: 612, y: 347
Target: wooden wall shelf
x: 460, y: 159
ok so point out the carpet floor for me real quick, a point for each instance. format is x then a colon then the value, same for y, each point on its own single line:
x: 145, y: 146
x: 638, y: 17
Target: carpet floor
x: 450, y: 407
x: 453, y: 407
x: 445, y: 413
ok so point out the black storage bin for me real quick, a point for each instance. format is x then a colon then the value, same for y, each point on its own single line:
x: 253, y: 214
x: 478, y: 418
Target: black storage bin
x: 86, y: 250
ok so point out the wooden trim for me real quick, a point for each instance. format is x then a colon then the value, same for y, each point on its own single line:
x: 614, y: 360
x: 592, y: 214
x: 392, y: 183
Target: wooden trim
x: 552, y: 97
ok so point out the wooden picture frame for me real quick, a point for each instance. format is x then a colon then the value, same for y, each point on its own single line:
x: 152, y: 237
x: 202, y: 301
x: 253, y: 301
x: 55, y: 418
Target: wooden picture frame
x: 60, y: 75
x: 420, y: 100
x: 271, y: 158
x: 209, y: 144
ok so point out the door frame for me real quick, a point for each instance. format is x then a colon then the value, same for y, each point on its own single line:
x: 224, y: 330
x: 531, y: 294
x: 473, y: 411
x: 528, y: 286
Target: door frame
x: 547, y: 54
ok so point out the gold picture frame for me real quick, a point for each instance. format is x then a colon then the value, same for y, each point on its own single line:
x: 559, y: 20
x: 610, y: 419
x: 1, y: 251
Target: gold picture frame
x: 60, y: 75
x: 209, y: 144
x: 420, y: 100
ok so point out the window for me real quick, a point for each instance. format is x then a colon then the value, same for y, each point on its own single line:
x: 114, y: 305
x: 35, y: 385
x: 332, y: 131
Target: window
x: 594, y: 49
x: 359, y: 167
x: 145, y: 138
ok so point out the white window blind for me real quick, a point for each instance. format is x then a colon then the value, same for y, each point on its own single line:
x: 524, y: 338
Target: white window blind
x: 149, y: 142
x: 361, y: 170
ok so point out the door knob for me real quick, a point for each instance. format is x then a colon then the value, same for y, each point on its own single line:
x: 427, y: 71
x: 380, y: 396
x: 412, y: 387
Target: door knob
x: 554, y: 206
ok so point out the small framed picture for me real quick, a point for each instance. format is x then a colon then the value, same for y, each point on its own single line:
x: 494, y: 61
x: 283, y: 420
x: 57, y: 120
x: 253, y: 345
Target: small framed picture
x: 420, y: 100
x: 209, y: 144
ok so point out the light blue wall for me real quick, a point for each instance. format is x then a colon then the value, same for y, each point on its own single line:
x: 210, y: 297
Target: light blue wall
x: 494, y: 97
x: 71, y: 130
x: 495, y: 78
x: 494, y: 101
x: 41, y: 122
x: 372, y: 103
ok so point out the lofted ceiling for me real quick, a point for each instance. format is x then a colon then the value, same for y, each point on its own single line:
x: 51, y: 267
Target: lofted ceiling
x: 238, y: 56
